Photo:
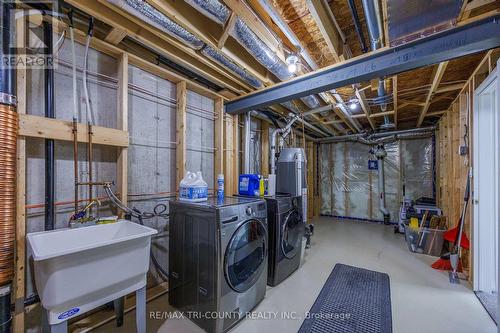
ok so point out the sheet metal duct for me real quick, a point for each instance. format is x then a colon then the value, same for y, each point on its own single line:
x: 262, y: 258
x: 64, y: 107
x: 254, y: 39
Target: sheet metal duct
x: 409, y: 20
x: 373, y: 17
x: 157, y: 19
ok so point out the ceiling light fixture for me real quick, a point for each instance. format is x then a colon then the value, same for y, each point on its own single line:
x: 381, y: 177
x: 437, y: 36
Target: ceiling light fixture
x: 353, y: 104
x: 292, y: 61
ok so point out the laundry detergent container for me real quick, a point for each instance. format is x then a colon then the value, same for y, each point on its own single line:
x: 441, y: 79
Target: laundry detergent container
x: 79, y: 269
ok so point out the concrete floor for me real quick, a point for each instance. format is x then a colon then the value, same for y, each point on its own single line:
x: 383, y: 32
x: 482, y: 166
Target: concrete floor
x: 422, y: 298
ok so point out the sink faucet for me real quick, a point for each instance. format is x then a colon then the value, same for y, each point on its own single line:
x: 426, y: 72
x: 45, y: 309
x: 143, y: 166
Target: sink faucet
x: 80, y: 216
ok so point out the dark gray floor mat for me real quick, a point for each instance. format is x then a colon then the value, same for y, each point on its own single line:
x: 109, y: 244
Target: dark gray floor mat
x: 353, y: 300
x: 489, y: 301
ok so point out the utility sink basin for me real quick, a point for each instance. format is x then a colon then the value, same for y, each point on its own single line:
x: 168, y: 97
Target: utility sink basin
x: 79, y: 269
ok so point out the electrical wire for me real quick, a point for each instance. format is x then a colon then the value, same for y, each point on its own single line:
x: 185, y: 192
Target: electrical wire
x: 90, y: 115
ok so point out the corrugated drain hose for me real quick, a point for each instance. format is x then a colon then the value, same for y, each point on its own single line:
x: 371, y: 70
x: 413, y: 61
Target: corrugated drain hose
x: 158, y: 211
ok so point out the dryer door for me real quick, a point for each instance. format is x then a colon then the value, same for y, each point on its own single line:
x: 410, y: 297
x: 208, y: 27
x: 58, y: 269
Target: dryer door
x: 291, y: 234
x: 245, y: 255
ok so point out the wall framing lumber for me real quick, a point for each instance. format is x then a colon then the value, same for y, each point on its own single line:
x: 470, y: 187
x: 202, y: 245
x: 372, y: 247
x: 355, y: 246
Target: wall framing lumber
x: 172, y: 49
x: 181, y: 132
x: 236, y: 153
x: 115, y: 36
x: 228, y: 155
x: 219, y: 138
x: 48, y: 128
x: 265, y: 148
x: 116, y: 52
x: 122, y: 121
x: 395, y: 99
x: 19, y: 283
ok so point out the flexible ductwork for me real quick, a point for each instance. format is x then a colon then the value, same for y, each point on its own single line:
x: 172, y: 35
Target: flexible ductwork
x: 151, y: 15
x: 213, y: 9
x: 219, y: 12
x: 218, y: 57
x: 8, y: 159
x: 311, y: 101
x: 261, y: 52
x: 154, y: 17
x: 384, y: 137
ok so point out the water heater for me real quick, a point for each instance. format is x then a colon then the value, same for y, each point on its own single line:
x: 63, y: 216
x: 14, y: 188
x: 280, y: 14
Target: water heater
x: 291, y: 175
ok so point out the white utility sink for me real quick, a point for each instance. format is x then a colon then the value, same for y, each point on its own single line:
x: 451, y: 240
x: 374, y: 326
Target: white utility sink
x: 79, y: 269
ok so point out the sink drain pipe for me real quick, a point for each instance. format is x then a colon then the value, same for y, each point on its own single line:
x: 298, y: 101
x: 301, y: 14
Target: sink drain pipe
x: 8, y: 157
x: 380, y: 154
x: 49, y: 143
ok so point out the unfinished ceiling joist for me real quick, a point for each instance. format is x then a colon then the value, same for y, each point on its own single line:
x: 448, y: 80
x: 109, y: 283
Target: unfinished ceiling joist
x: 436, y: 80
x: 468, y: 39
x: 328, y: 27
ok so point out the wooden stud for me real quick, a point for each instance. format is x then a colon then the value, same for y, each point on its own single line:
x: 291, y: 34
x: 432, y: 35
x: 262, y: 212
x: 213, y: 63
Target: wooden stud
x: 395, y: 99
x: 228, y: 155
x: 48, y: 128
x: 265, y: 148
x: 122, y: 121
x: 227, y: 29
x: 236, y: 153
x: 219, y: 137
x: 19, y: 283
x: 181, y: 132
x: 115, y: 36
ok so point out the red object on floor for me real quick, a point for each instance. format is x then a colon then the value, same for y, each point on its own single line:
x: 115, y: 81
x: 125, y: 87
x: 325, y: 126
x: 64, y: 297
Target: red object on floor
x: 445, y: 265
x: 451, y: 236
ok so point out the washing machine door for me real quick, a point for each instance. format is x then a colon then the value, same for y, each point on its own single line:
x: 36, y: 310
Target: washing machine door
x: 291, y: 234
x: 245, y: 255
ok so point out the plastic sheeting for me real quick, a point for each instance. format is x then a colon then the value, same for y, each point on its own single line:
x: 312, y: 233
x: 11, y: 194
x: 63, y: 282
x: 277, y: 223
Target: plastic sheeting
x: 349, y: 188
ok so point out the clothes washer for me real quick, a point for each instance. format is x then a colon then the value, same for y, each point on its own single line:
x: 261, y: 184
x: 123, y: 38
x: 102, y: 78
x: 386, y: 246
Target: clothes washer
x: 286, y: 231
x: 217, y: 259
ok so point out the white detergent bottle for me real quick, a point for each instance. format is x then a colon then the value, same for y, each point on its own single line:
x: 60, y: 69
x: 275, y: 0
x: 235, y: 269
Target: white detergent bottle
x: 193, y: 188
x: 200, y: 188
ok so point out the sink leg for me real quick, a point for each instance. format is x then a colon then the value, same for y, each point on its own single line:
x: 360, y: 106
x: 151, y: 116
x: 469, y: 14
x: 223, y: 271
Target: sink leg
x: 140, y: 310
x: 59, y: 328
x: 118, y: 305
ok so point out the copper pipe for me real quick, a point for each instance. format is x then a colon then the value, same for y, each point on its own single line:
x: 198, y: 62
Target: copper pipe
x: 75, y: 161
x: 8, y: 161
